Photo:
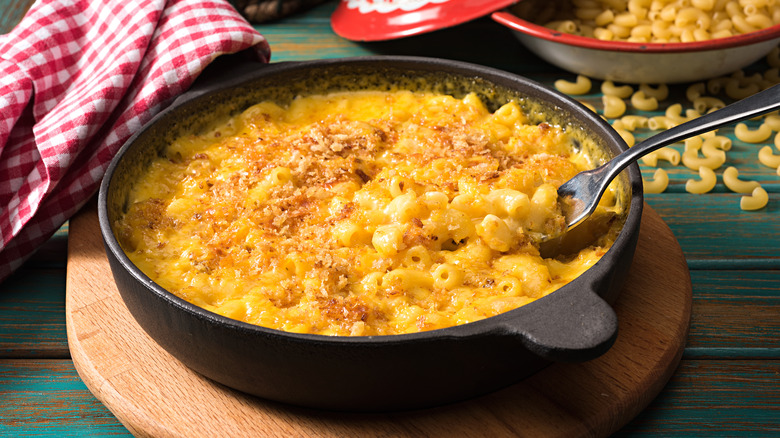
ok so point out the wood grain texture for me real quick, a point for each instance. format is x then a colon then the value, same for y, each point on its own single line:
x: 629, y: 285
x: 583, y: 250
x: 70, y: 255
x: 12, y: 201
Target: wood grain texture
x: 48, y: 399
x: 707, y: 398
x: 703, y: 398
x: 154, y: 395
x: 715, y: 234
x: 12, y: 12
x: 736, y: 314
x: 32, y: 314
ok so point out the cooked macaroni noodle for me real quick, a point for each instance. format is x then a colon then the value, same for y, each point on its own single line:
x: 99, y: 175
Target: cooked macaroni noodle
x: 360, y: 213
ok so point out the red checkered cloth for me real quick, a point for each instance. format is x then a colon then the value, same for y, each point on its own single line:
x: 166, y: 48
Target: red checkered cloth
x: 77, y: 78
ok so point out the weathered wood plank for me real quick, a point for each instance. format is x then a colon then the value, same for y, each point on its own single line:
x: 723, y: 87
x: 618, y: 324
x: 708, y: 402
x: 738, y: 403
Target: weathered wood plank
x: 735, y: 314
x: 704, y: 398
x: 12, y: 13
x: 32, y: 314
x: 712, y: 228
x: 47, y: 398
x: 714, y: 398
x: 309, y: 36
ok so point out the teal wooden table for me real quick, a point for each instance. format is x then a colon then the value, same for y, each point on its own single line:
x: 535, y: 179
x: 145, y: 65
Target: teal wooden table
x: 727, y: 384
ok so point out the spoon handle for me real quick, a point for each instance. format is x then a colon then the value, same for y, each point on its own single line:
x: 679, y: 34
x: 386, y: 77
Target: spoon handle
x: 749, y: 107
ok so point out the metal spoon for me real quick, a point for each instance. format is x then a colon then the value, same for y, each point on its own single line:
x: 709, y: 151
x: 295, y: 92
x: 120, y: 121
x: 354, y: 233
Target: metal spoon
x: 580, y: 195
x: 583, y: 191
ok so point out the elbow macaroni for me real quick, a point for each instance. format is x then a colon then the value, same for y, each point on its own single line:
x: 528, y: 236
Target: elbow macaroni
x: 371, y: 221
x: 758, y: 135
x: 643, y: 21
x: 659, y: 182
x: 732, y: 182
x: 768, y: 158
x: 755, y: 201
x: 580, y: 86
x: 705, y: 184
x: 614, y: 106
x: 671, y: 155
x: 623, y: 91
x: 643, y: 102
x: 712, y: 146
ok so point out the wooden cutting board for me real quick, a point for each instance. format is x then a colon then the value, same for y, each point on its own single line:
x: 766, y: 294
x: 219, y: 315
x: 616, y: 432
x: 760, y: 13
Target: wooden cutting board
x: 154, y: 395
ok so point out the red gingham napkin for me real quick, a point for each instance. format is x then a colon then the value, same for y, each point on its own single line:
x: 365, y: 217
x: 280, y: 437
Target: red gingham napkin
x: 77, y: 78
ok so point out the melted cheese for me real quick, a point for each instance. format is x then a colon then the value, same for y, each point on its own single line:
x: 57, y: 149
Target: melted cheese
x: 358, y: 213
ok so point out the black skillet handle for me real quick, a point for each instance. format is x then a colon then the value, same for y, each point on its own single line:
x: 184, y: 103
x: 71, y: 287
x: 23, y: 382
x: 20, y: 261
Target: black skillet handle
x: 567, y: 326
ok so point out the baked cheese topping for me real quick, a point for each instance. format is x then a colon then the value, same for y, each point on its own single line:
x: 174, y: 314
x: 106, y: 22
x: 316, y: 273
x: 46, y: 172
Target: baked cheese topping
x: 359, y: 213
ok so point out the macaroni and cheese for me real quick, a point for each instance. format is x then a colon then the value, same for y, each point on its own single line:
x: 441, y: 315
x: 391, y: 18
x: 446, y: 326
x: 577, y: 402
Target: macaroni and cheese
x: 360, y: 213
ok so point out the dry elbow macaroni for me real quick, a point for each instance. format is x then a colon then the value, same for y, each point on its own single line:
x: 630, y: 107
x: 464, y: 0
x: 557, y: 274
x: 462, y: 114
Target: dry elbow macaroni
x: 643, y: 102
x: 705, y: 184
x: 373, y: 221
x: 758, y: 135
x: 625, y: 134
x: 653, y: 21
x: 614, y: 106
x: 769, y: 158
x: 691, y: 159
x: 710, y: 145
x: 659, y: 182
x: 705, y: 104
x: 732, y: 182
x: 661, y: 92
x: 756, y: 201
x: 622, y: 91
x: 632, y: 122
x: 581, y: 85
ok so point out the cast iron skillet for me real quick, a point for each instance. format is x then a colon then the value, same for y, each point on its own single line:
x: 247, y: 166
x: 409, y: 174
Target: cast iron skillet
x: 371, y: 373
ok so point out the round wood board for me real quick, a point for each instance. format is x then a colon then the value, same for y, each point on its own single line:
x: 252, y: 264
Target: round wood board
x: 153, y: 394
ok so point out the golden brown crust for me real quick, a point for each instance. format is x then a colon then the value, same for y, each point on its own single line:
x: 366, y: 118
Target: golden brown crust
x: 353, y: 224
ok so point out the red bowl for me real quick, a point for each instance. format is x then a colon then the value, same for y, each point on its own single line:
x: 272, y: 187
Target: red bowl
x: 376, y: 20
x: 651, y: 63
